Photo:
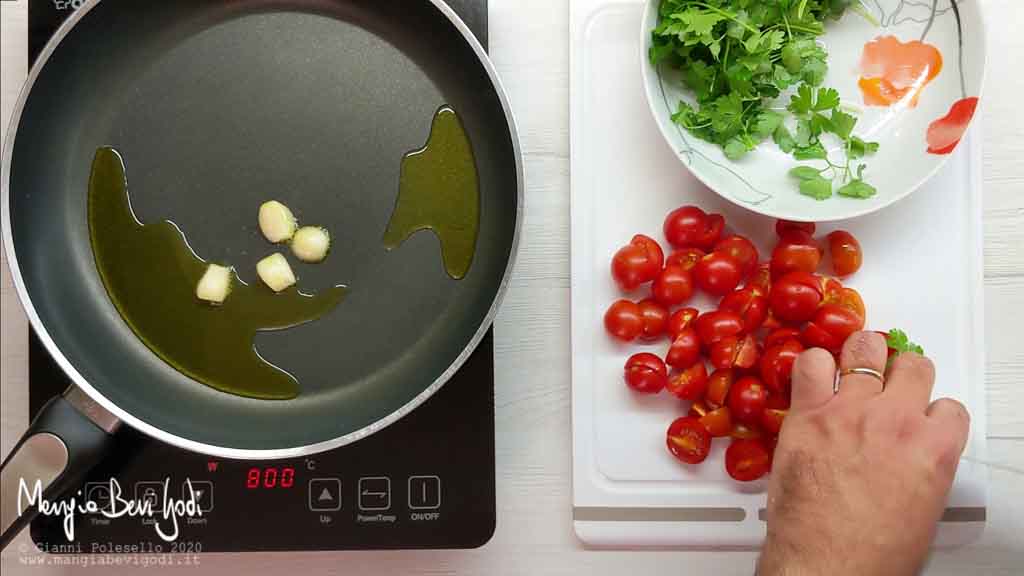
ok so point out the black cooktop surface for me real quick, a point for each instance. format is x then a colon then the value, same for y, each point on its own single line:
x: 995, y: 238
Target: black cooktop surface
x: 424, y: 482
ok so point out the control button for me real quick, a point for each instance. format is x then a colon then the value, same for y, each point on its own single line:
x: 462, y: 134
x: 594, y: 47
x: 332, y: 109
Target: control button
x: 374, y: 493
x: 424, y: 493
x: 325, y: 494
x: 150, y: 493
x: 203, y: 489
x: 98, y: 492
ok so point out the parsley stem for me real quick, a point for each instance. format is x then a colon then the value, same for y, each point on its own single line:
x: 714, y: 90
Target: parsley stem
x: 728, y: 15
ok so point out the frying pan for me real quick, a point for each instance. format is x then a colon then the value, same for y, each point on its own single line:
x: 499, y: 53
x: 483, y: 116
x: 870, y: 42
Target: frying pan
x: 215, y: 108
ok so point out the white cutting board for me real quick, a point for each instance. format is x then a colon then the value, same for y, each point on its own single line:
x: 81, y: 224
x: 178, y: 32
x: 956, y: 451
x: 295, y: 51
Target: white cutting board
x: 922, y: 273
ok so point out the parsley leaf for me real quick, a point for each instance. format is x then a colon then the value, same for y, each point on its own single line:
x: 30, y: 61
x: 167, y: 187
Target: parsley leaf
x: 857, y: 188
x: 818, y: 188
x: 900, y: 343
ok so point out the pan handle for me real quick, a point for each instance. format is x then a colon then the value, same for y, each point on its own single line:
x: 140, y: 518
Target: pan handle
x: 69, y: 436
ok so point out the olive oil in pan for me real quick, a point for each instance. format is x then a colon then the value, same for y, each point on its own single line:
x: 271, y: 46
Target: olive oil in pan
x: 150, y: 273
x: 439, y: 190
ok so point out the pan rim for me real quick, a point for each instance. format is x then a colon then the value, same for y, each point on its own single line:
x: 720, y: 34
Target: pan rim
x: 226, y: 451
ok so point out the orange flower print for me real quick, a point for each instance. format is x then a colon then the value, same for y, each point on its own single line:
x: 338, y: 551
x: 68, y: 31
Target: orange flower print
x: 892, y: 71
x: 945, y: 133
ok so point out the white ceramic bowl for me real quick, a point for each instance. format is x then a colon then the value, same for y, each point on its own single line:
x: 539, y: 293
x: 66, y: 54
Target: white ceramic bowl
x: 760, y: 180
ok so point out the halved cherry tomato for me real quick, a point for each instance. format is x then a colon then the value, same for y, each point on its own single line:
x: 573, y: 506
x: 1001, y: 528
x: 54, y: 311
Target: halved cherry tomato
x: 624, y: 320
x: 735, y: 352
x: 717, y: 324
x: 684, y: 350
x: 770, y: 321
x: 646, y: 373
x: 680, y: 320
x: 780, y: 335
x: 795, y: 297
x: 747, y: 399
x: 795, y: 252
x: 637, y: 262
x: 685, y: 258
x: 771, y: 420
x: 718, y: 387
x: 688, y: 440
x: 690, y: 384
x: 698, y: 409
x: 762, y: 278
x: 741, y: 250
x: 749, y: 303
x: 831, y: 290
x: 747, y: 459
x: 777, y: 364
x: 846, y: 253
x: 718, y: 422
x: 774, y: 413
x: 689, y: 226
x: 718, y: 273
x: 831, y: 326
x: 745, y: 431
x: 783, y: 226
x: 672, y: 286
x: 655, y: 317
x: 850, y: 298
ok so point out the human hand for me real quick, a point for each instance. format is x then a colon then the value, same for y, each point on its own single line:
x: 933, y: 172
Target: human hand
x: 860, y: 477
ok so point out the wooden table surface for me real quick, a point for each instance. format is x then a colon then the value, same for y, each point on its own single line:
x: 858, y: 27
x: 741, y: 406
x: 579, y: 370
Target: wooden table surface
x: 529, y: 45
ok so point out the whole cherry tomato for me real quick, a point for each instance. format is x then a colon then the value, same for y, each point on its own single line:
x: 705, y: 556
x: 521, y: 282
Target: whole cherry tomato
x: 685, y: 258
x: 689, y: 226
x: 624, y: 320
x: 774, y: 413
x: 747, y: 399
x: 795, y: 252
x: 735, y: 352
x: 795, y: 297
x: 655, y: 317
x: 831, y: 326
x: 646, y: 373
x: 747, y: 459
x: 637, y: 262
x: 719, y: 384
x: 718, y: 273
x: 680, y: 320
x: 688, y: 440
x: 783, y: 226
x: 741, y: 250
x: 762, y: 278
x: 780, y: 335
x: 672, y: 286
x: 749, y: 303
x: 691, y: 383
x: 718, y: 422
x: 846, y: 253
x: 684, y: 350
x: 717, y: 324
x: 777, y: 364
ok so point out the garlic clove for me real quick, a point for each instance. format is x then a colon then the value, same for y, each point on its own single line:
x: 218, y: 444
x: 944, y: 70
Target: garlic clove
x: 311, y: 243
x: 275, y: 272
x: 276, y: 221
x: 215, y: 285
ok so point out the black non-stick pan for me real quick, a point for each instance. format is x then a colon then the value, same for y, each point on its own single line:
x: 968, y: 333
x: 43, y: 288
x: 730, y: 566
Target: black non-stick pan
x: 215, y: 108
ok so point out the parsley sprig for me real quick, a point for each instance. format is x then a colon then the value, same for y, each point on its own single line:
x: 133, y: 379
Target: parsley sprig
x: 739, y: 57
